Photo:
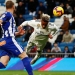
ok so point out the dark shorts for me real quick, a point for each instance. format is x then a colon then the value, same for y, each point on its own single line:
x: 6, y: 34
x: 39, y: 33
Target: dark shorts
x: 11, y: 48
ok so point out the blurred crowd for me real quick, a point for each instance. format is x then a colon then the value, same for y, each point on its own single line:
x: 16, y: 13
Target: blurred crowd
x: 36, y: 8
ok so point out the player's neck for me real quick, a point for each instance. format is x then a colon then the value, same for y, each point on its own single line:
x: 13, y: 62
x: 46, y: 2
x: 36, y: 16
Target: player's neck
x: 10, y: 10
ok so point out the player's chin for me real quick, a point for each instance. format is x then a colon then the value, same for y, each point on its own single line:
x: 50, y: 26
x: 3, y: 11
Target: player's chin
x: 43, y: 27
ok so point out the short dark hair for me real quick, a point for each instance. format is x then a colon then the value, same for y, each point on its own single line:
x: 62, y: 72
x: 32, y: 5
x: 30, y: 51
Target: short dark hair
x: 9, y: 4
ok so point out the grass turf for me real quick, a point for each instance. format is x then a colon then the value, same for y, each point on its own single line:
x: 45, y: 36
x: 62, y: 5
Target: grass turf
x: 36, y: 73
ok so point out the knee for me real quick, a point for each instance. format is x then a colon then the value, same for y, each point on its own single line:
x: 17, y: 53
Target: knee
x: 5, y: 60
x: 4, y: 63
x: 23, y: 55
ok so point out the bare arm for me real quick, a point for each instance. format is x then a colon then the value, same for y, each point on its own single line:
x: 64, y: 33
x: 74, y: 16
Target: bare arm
x: 2, y: 43
x: 20, y: 33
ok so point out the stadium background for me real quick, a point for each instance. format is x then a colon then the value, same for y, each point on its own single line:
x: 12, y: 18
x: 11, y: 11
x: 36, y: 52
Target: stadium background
x: 23, y: 13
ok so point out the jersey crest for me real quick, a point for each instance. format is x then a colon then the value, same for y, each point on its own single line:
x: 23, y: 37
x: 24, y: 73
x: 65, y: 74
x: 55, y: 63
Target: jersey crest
x: 38, y: 25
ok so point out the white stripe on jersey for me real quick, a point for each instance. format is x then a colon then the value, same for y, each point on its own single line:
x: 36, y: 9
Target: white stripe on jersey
x: 2, y: 32
x: 17, y: 45
x: 10, y: 28
x: 6, y: 33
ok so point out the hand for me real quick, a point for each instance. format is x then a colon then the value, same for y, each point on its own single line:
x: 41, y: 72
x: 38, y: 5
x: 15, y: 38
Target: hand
x: 19, y: 28
x: 50, y: 36
x: 2, y: 43
x: 22, y: 32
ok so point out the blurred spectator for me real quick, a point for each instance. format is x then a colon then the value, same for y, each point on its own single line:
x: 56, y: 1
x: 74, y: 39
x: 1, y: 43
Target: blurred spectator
x: 62, y: 5
x: 73, y: 4
x: 67, y: 37
x: 47, y: 47
x: 16, y: 18
x: 66, y: 50
x: 39, y: 14
x: 66, y: 24
x: 50, y: 6
x: 69, y: 2
x: 41, y: 7
x: 48, y: 55
x: 20, y: 9
x: 59, y: 37
x: 32, y: 7
x: 57, y: 2
x: 72, y: 26
x: 68, y: 9
x: 73, y: 14
x: 55, y: 48
x: 20, y: 19
x: 24, y: 2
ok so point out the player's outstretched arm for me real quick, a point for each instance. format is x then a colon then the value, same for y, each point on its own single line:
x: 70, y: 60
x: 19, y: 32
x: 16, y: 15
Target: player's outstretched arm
x: 20, y: 33
x: 31, y: 23
x: 20, y: 28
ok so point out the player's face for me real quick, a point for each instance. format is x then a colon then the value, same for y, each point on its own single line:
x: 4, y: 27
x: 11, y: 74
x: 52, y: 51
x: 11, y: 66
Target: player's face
x: 44, y: 24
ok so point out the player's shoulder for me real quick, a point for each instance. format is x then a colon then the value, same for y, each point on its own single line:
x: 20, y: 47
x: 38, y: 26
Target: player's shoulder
x: 51, y: 24
x: 36, y: 21
x: 8, y: 13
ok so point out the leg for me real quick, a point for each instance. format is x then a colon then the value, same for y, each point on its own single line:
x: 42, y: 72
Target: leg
x: 17, y: 50
x: 14, y: 48
x: 4, y: 58
x: 26, y: 63
x: 3, y: 61
x: 37, y: 56
x: 38, y: 53
x: 29, y: 46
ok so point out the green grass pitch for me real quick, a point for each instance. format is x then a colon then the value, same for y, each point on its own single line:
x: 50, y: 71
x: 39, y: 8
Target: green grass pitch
x: 36, y: 73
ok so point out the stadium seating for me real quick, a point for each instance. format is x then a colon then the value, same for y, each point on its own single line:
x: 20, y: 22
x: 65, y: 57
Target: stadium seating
x: 72, y: 31
x: 28, y: 17
x: 62, y: 48
x: 70, y: 46
x: 62, y: 44
x: 2, y: 1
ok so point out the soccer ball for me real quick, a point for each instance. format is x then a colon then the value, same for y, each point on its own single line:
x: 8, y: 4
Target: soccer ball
x: 58, y: 11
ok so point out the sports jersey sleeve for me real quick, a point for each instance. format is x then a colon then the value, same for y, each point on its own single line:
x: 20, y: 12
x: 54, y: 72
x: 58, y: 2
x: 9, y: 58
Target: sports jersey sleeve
x: 5, y: 17
x: 53, y: 29
x: 31, y: 23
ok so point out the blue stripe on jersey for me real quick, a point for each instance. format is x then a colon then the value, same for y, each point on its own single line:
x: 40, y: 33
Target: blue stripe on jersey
x: 8, y: 25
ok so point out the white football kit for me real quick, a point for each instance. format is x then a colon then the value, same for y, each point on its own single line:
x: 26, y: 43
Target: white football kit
x: 40, y: 36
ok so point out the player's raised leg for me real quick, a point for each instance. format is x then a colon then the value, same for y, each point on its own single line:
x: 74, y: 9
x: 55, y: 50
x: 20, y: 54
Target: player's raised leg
x: 37, y: 56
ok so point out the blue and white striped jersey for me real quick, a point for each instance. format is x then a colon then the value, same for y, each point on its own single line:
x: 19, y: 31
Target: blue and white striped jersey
x: 8, y: 25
